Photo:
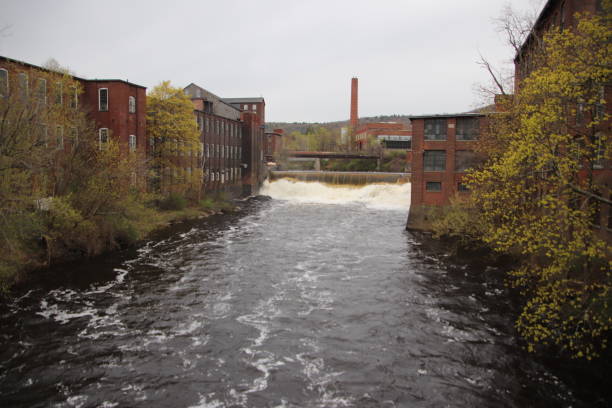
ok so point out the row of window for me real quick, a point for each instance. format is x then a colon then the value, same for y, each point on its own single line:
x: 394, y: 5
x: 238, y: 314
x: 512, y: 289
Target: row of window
x: 436, y: 187
x: 246, y: 107
x: 58, y: 133
x: 219, y: 127
x: 228, y: 175
x: 103, y: 139
x: 103, y: 101
x: 223, y: 151
x: 435, y: 160
x: 40, y: 90
x: 465, y: 129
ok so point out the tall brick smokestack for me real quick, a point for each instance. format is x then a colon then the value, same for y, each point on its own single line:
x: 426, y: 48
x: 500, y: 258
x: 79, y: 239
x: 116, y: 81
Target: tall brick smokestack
x: 354, y: 112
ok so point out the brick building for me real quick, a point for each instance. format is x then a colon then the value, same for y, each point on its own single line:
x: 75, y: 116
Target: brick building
x: 557, y: 13
x: 117, y: 107
x: 221, y: 135
x: 390, y: 136
x: 561, y: 14
x: 273, y: 143
x: 231, y: 135
x: 442, y: 151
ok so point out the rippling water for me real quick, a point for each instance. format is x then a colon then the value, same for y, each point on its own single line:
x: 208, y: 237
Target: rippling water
x: 293, y: 303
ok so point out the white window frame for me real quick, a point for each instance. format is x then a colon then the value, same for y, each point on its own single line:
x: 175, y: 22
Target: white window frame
x: 100, y: 132
x: 132, y: 143
x: 100, y: 99
x: 131, y: 104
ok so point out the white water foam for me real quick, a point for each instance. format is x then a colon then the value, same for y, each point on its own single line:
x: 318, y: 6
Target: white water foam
x: 381, y: 196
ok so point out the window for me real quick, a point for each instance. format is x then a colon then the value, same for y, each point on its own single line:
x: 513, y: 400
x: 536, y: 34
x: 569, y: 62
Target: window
x: 59, y: 93
x: 23, y: 84
x: 43, y: 137
x: 435, y: 129
x: 4, y: 82
x: 207, y: 151
x: 207, y: 125
x: 254, y: 108
x: 201, y: 152
x: 74, y: 136
x: 41, y: 90
x: 59, y: 137
x: 465, y: 159
x: 74, y: 101
x: 103, y: 138
x: 132, y: 143
x: 433, y: 186
x: 434, y: 160
x: 131, y: 104
x: 468, y: 128
x: 103, y: 100
x: 463, y: 188
x: 245, y: 107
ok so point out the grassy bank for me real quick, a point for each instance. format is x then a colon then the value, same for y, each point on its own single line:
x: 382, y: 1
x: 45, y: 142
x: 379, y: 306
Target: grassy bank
x: 57, y: 232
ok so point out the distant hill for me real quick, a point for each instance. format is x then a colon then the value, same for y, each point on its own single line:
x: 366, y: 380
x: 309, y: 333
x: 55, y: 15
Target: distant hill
x: 303, y: 127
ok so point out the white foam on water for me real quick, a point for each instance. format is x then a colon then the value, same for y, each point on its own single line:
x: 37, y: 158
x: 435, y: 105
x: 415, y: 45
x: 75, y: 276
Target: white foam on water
x: 205, y: 402
x: 382, y: 196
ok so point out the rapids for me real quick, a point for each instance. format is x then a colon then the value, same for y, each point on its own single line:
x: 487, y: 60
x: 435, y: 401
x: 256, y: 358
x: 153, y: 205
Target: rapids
x: 314, y: 298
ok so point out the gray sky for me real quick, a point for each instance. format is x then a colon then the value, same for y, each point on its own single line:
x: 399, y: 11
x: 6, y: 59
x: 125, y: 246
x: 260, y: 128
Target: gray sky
x: 410, y: 56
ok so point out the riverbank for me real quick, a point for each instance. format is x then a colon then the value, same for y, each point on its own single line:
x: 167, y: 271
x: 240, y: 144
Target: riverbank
x: 57, y: 242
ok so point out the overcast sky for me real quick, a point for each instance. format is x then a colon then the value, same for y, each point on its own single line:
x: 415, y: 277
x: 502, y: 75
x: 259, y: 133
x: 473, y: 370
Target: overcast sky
x: 411, y: 57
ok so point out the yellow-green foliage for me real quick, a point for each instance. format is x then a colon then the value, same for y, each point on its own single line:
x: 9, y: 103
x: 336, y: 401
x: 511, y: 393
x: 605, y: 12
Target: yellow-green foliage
x: 171, y: 125
x: 531, y: 201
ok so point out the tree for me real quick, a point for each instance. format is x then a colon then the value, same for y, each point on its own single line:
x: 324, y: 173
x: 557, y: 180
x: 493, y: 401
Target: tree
x: 538, y: 195
x: 172, y: 128
x: 57, y: 185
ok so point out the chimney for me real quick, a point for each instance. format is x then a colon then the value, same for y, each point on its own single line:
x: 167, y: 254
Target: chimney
x: 354, y: 114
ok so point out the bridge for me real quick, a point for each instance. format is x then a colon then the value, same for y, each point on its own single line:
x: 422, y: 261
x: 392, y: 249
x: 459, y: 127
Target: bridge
x: 317, y: 156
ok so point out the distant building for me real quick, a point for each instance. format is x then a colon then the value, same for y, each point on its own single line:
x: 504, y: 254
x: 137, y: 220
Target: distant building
x: 389, y: 135
x: 442, y: 150
x: 272, y: 144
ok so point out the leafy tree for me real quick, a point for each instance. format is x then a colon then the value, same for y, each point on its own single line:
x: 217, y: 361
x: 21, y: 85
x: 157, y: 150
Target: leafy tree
x: 538, y: 195
x: 172, y: 128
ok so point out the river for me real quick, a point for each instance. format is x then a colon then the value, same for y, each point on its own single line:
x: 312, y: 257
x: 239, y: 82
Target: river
x: 315, y: 298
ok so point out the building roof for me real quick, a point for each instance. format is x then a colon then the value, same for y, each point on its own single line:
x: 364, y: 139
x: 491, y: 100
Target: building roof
x: 447, y: 115
x: 548, y: 7
x: 206, y: 94
x: 244, y: 100
x: 27, y: 64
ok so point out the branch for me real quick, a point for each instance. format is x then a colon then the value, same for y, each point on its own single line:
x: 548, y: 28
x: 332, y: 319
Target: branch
x: 589, y: 194
x: 483, y: 62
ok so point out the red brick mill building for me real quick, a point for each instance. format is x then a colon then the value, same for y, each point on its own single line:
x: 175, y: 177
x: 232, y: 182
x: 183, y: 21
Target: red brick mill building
x: 231, y: 151
x: 442, y: 151
x: 117, y: 107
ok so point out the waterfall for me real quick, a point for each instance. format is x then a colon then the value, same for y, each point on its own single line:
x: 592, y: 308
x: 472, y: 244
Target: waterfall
x: 384, y: 196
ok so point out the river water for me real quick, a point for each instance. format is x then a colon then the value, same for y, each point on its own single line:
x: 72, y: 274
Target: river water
x: 316, y: 298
